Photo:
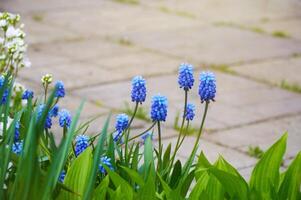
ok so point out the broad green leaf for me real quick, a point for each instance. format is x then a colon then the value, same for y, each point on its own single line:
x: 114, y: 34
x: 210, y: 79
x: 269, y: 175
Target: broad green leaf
x: 134, y: 176
x: 78, y: 175
x: 291, y: 184
x: 201, y: 164
x: 118, y: 181
x: 101, y: 189
x: 265, y: 175
x: 148, y: 191
x: 98, y: 151
x: 176, y: 175
x: 148, y: 158
x: 166, y: 156
x: 200, y: 186
x: 170, y: 194
x: 234, y: 185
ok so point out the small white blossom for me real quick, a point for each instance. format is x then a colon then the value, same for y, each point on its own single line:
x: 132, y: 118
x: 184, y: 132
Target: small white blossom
x: 3, y: 23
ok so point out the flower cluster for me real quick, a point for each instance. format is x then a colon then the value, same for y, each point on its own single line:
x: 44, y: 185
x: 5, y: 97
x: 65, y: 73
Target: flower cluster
x: 190, y: 108
x: 5, y: 92
x: 65, y: 118
x: 12, y: 44
x: 207, y: 87
x: 28, y: 94
x: 105, y: 161
x: 59, y: 89
x: 122, y: 121
x: 81, y: 143
x: 17, y: 147
x: 138, y: 89
x: 159, y: 108
x: 185, y: 78
x: 52, y: 113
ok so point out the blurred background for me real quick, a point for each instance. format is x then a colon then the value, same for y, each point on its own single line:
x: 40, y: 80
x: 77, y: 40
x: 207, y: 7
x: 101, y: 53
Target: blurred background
x: 253, y: 46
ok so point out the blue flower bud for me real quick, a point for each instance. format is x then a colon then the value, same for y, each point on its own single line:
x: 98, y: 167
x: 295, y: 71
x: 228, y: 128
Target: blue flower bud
x: 185, y: 78
x: 207, y: 87
x: 159, y: 108
x: 138, y: 89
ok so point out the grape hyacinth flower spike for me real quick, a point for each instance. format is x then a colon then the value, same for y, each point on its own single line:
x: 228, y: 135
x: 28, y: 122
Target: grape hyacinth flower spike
x: 105, y: 161
x: 64, y: 118
x: 28, y: 94
x: 138, y: 93
x: 122, y: 121
x: 81, y: 143
x: 190, y: 109
x: 59, y: 89
x: 185, y: 78
x: 48, y: 120
x: 159, y: 108
x: 207, y: 87
x: 17, y: 147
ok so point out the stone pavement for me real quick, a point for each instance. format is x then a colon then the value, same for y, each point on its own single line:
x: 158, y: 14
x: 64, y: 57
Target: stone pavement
x: 254, y: 47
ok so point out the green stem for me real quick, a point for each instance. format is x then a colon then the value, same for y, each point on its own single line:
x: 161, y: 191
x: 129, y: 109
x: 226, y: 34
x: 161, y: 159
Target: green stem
x: 202, y: 126
x: 182, y: 125
x: 127, y: 132
x: 186, y: 130
x: 143, y: 132
x: 160, y: 146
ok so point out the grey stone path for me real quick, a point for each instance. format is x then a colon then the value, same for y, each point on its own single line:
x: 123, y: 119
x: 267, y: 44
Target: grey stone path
x: 254, y: 47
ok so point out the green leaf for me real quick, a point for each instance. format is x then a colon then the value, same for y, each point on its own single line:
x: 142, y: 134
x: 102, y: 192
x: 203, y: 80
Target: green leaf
x: 290, y: 187
x: 265, y: 176
x: 170, y: 194
x: 166, y: 156
x: 134, y: 176
x: 78, y: 175
x: 200, y: 186
x: 148, y: 191
x: 202, y: 163
x: 98, y: 151
x: 148, y: 158
x: 176, y: 175
x: 101, y: 190
x: 118, y: 181
x: 234, y: 185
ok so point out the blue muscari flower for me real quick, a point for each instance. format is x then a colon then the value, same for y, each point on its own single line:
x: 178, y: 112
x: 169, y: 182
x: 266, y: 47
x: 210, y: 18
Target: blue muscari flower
x: 159, y: 108
x: 17, y: 147
x: 138, y: 89
x: 116, y: 136
x: 48, y: 120
x: 122, y: 121
x: 17, y: 131
x: 62, y: 176
x: 5, y: 92
x: 54, y: 111
x: 1, y: 80
x: 186, y: 79
x: 64, y: 118
x: 81, y: 143
x: 107, y: 162
x: 27, y: 94
x: 190, y: 108
x: 146, y: 135
x: 207, y: 87
x: 59, y: 89
x: 4, y: 97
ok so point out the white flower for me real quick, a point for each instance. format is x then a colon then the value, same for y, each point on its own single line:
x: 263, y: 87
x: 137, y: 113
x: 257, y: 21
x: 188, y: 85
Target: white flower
x: 9, y: 121
x: 3, y: 23
x: 1, y: 40
x: 26, y: 62
x: 12, y: 32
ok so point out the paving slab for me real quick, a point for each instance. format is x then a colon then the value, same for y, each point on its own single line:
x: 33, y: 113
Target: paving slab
x: 74, y: 74
x: 287, y: 70
x: 233, y: 10
x: 218, y: 45
x: 261, y: 134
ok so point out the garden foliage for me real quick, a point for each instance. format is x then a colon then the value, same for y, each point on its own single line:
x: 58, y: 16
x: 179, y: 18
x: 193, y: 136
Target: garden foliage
x: 35, y: 164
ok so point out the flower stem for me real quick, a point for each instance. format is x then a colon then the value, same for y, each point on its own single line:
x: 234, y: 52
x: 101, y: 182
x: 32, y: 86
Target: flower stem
x: 202, y: 126
x: 143, y: 132
x: 127, y: 131
x: 181, y: 129
x: 160, y: 147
